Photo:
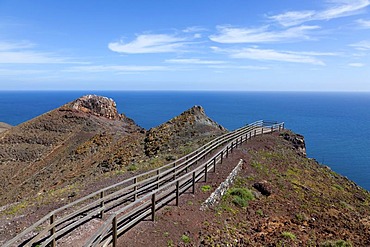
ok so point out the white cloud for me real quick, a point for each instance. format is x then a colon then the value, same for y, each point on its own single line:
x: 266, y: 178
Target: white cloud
x: 362, y: 45
x: 20, y: 53
x: 30, y: 57
x: 17, y: 72
x: 116, y: 68
x: 9, y: 46
x: 260, y: 35
x: 272, y: 55
x: 336, y: 9
x: 363, y: 23
x: 248, y: 67
x: 194, y: 29
x: 356, y: 65
x: 150, y: 43
x: 194, y: 61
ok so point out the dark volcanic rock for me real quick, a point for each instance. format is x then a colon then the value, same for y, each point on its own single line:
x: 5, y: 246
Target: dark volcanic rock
x: 264, y: 187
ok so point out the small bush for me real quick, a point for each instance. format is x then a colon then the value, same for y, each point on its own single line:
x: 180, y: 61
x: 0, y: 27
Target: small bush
x: 288, y: 235
x: 132, y: 168
x: 259, y: 212
x: 241, y: 196
x: 336, y: 243
x: 206, y: 188
x: 185, y: 238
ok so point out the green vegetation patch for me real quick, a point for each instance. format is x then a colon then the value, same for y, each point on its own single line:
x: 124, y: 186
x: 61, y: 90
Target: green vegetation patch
x: 206, y: 188
x: 288, y: 235
x: 240, y: 196
x: 336, y: 243
x: 185, y: 238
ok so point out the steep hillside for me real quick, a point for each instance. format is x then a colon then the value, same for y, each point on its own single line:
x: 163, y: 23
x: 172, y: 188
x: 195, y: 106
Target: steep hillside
x: 190, y: 128
x: 4, y: 126
x: 65, y: 145
x: 86, y: 141
x: 279, y: 198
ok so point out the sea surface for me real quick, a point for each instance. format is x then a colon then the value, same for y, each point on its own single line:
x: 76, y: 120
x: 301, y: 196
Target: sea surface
x: 336, y: 126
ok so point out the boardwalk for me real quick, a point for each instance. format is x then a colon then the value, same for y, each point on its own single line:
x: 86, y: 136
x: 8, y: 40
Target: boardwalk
x: 121, y: 206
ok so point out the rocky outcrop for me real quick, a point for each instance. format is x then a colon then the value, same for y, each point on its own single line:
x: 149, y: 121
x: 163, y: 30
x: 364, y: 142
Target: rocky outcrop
x: 192, y: 125
x: 96, y: 105
x: 297, y: 141
x: 4, y: 126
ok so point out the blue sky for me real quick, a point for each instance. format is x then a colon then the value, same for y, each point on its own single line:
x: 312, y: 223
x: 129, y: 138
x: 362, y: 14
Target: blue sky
x: 291, y: 45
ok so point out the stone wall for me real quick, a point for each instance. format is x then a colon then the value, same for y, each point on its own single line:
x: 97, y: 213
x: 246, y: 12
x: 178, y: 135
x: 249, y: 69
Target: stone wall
x: 221, y: 190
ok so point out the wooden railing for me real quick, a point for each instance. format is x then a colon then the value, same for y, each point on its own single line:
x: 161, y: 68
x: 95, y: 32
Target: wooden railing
x: 134, y: 199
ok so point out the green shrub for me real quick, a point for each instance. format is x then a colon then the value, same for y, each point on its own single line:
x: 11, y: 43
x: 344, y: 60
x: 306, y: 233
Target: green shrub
x: 132, y: 168
x: 206, y: 188
x: 241, y: 196
x: 288, y: 235
x: 185, y: 238
x: 336, y: 243
x: 259, y: 212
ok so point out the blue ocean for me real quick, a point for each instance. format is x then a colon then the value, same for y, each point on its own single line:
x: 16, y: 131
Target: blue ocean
x: 335, y: 125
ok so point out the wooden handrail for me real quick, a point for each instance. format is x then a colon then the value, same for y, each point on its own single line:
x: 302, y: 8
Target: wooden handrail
x: 159, y: 178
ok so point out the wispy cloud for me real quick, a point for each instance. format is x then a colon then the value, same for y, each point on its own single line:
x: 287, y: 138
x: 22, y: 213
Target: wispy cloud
x: 21, y: 53
x: 194, y: 29
x: 9, y: 46
x: 116, y: 68
x: 17, y: 72
x: 150, y: 43
x: 359, y: 65
x: 194, y: 61
x: 243, y: 67
x: 362, y: 45
x: 363, y: 23
x: 260, y: 35
x: 335, y: 9
x: 271, y: 55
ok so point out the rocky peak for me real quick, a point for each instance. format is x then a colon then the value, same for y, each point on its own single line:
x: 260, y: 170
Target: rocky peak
x: 196, y: 115
x: 96, y: 105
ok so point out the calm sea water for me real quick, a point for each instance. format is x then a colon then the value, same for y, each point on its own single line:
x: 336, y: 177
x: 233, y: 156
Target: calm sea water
x: 335, y: 125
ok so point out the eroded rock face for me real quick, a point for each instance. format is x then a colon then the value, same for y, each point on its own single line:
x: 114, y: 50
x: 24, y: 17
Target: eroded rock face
x: 96, y: 105
x: 297, y: 141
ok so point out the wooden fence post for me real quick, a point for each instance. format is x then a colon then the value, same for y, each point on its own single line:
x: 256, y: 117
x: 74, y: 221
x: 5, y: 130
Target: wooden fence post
x: 222, y: 156
x: 135, y: 188
x: 52, y: 230
x: 153, y: 207
x: 255, y: 131
x: 272, y: 129
x: 157, y: 179
x: 227, y: 151
x: 262, y: 130
x: 177, y: 192
x: 114, y: 231
x: 102, y: 205
x: 205, y: 172
x: 193, y: 183
x: 214, y: 164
